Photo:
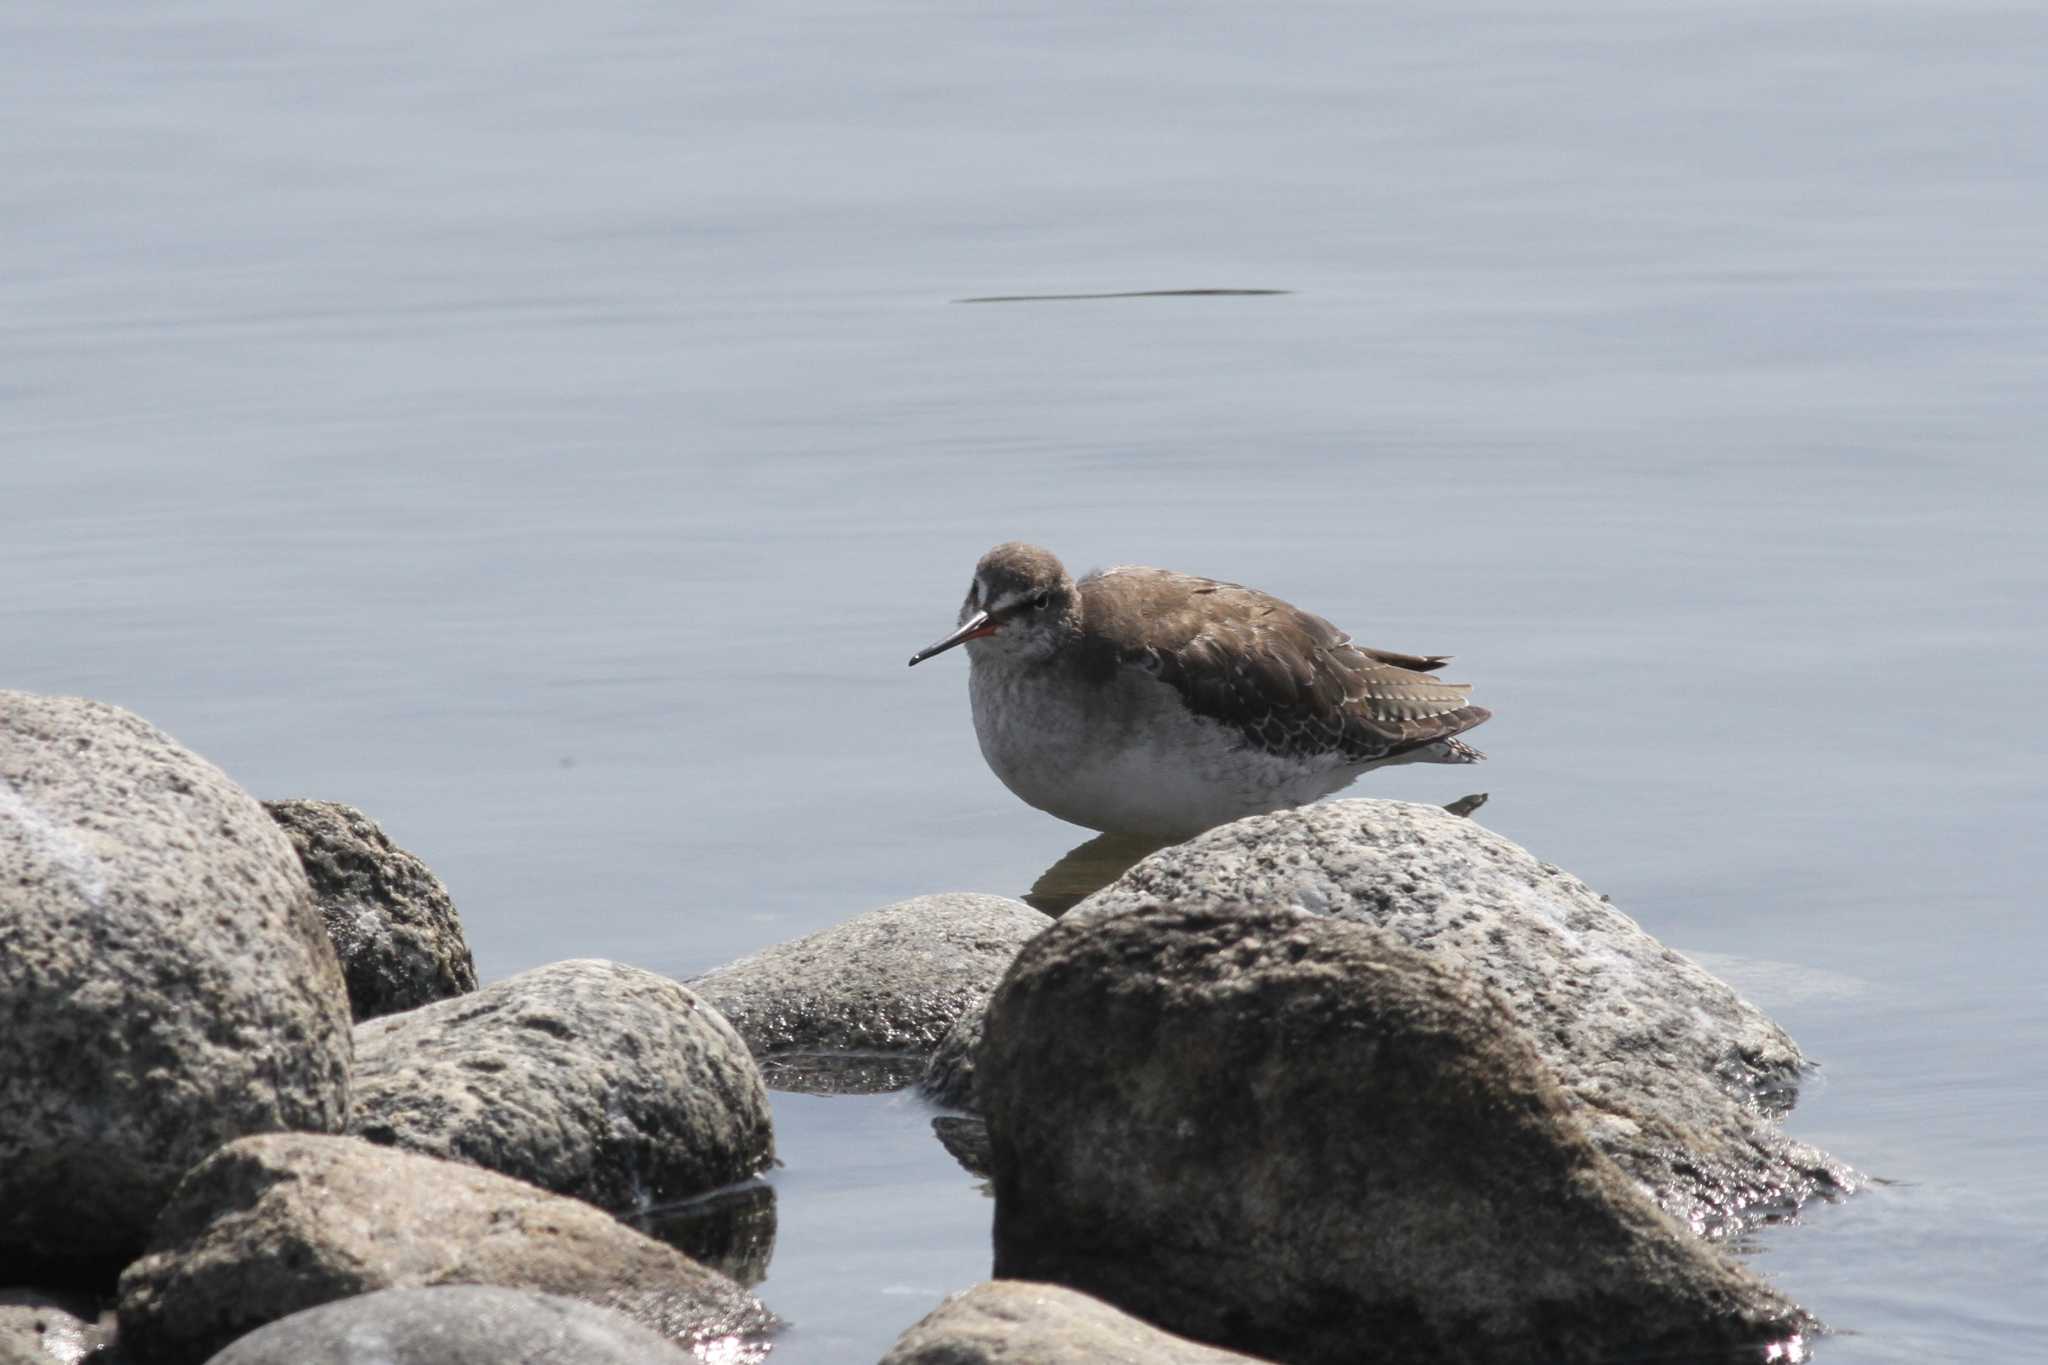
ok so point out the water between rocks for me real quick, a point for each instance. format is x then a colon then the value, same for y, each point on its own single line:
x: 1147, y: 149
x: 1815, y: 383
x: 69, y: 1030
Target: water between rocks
x: 550, y: 432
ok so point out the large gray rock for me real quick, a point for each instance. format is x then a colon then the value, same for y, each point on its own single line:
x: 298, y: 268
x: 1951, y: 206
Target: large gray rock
x: 270, y: 1225
x: 165, y: 982
x: 467, y: 1324
x: 587, y: 1078
x: 1015, y: 1322
x: 390, y: 919
x: 860, y: 1005
x: 1676, y: 1077
x: 1289, y: 1134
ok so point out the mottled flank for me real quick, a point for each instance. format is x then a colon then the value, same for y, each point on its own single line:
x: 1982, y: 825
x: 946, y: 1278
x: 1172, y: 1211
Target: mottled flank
x: 165, y: 984
x: 592, y: 1079
x: 391, y: 921
x: 271, y: 1225
x: 1294, y: 684
x: 1292, y: 1135
x: 1675, y: 1076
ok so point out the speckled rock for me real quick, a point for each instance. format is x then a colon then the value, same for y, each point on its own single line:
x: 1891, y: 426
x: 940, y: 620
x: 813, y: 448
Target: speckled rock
x: 948, y: 1077
x: 271, y: 1225
x: 1675, y: 1075
x: 1290, y: 1134
x: 586, y: 1078
x: 454, y: 1325
x: 1016, y: 1322
x: 390, y: 919
x: 37, y: 1328
x: 965, y: 1138
x: 883, y: 987
x: 165, y: 982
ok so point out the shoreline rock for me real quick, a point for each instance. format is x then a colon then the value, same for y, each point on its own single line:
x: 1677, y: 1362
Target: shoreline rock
x: 1675, y: 1075
x: 271, y: 1225
x: 857, y: 1007
x: 948, y: 1077
x: 1002, y: 1321
x: 588, y: 1078
x: 391, y: 921
x: 468, y: 1324
x: 168, y: 984
x: 1287, y: 1133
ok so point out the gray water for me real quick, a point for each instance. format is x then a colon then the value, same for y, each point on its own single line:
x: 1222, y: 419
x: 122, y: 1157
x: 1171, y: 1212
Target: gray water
x: 552, y: 431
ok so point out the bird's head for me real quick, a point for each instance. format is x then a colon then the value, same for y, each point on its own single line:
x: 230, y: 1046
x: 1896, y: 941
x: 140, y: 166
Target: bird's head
x: 1021, y: 606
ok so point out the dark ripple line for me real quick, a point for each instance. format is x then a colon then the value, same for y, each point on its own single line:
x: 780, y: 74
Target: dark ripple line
x: 1126, y: 294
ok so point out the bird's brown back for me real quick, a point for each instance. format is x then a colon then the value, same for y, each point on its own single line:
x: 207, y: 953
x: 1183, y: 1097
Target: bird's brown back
x: 1289, y: 681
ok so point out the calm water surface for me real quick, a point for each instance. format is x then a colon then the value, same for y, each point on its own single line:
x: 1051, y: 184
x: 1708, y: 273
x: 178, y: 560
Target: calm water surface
x: 551, y: 432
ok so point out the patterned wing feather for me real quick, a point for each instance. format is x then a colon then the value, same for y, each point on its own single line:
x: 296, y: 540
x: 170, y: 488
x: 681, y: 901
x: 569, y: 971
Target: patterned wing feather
x: 1294, y: 684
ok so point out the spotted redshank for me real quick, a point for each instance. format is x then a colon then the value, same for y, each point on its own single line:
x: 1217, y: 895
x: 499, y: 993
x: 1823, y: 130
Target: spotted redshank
x: 1143, y: 701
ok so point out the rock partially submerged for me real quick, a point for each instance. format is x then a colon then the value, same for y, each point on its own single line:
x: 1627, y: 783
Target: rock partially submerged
x: 1674, y: 1075
x: 469, y: 1324
x: 588, y: 1078
x: 390, y: 919
x: 859, y: 1006
x: 1294, y: 1135
x: 271, y: 1225
x: 1014, y: 1322
x: 167, y: 984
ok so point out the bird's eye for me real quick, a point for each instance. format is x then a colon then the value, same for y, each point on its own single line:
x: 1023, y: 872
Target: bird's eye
x: 1041, y: 602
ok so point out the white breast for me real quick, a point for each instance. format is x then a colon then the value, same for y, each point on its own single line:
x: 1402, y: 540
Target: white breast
x: 1128, y: 755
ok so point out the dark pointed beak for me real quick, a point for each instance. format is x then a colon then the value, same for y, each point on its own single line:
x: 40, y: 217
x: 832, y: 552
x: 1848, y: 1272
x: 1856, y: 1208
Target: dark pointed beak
x: 973, y: 628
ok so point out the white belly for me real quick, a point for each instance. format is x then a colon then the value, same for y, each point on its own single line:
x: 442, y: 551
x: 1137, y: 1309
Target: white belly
x: 1129, y: 757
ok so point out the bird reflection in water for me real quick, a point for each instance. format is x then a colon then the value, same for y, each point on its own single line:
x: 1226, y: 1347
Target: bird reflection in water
x: 1087, y: 869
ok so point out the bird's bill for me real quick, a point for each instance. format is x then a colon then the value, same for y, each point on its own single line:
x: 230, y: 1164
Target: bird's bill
x: 973, y: 628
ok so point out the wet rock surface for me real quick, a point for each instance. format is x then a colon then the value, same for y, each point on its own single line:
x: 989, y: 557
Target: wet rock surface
x: 857, y: 1007
x: 1675, y: 1076
x: 1289, y: 1134
x: 271, y: 1225
x: 166, y: 983
x: 841, y: 1073
x: 1016, y: 1322
x: 587, y: 1078
x: 390, y: 919
x: 454, y: 1325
